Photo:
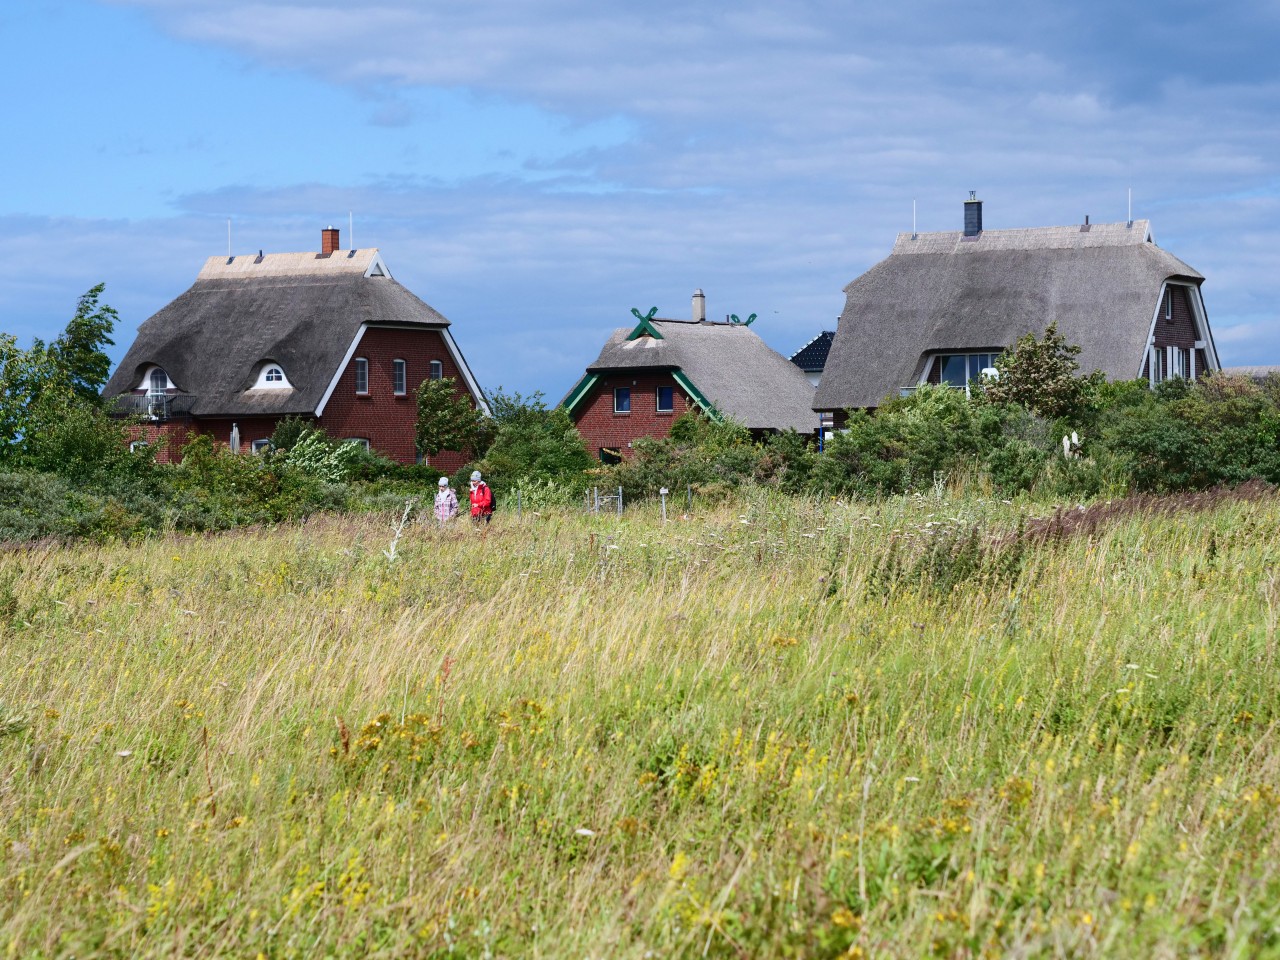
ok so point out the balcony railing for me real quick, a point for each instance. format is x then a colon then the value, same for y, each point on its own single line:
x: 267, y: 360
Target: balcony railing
x: 157, y: 406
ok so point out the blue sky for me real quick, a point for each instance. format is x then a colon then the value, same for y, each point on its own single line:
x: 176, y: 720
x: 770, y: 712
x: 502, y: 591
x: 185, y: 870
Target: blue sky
x: 535, y: 168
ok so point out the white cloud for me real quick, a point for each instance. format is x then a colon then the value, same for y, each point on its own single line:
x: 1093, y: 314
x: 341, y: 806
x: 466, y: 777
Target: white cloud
x: 769, y: 153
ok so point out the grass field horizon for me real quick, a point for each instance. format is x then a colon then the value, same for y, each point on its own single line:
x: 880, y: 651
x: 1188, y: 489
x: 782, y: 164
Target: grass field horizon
x: 932, y: 725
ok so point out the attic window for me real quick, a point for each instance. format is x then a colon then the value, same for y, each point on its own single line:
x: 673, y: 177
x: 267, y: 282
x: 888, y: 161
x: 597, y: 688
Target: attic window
x: 399, y: 386
x: 362, y: 375
x: 1168, y: 303
x: 437, y: 370
x: 957, y: 370
x: 158, y: 382
x: 271, y: 377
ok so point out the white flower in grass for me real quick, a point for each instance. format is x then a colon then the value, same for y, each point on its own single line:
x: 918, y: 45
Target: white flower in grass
x: 584, y: 832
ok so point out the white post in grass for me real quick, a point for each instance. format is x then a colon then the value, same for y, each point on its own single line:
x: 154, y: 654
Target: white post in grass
x: 663, y: 493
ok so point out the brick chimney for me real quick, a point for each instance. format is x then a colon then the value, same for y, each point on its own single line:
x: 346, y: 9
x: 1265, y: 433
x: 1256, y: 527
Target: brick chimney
x: 328, y: 241
x: 972, y: 215
x: 699, y: 306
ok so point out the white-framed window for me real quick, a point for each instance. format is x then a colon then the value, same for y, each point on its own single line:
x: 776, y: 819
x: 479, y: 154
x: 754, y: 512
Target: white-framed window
x: 621, y: 399
x: 399, y: 378
x: 437, y: 370
x: 363, y: 441
x: 259, y: 445
x: 666, y: 399
x: 155, y: 381
x: 138, y: 446
x: 362, y: 374
x: 272, y: 377
x: 1168, y: 303
x: 957, y: 370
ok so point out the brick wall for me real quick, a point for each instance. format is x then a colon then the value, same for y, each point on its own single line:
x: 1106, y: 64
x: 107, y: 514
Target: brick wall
x: 1178, y: 331
x: 387, y: 421
x: 601, y: 427
x: 167, y: 439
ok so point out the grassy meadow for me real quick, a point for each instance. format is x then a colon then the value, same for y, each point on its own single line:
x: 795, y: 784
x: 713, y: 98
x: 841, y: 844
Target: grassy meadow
x: 931, y: 726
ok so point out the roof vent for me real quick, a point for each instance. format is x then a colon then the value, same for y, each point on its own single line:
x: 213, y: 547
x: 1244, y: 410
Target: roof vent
x: 1084, y: 228
x: 258, y: 258
x: 972, y: 215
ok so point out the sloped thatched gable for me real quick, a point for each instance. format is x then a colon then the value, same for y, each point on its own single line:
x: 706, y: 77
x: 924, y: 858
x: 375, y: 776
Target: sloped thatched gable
x: 939, y: 292
x: 728, y: 369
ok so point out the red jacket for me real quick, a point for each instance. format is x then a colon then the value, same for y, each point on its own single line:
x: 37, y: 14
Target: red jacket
x: 481, y: 499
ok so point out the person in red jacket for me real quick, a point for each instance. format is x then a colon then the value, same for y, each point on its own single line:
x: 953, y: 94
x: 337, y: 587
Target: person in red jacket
x: 481, y: 499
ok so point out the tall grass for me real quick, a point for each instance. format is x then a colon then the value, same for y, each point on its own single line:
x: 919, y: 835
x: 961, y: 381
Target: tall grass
x: 789, y: 728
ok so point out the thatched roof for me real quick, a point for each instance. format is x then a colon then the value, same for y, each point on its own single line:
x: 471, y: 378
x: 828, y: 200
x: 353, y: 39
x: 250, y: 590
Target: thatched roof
x: 734, y: 370
x: 945, y: 291
x: 300, y: 310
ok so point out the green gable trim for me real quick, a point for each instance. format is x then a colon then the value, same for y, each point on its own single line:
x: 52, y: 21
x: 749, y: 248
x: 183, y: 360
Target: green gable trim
x: 686, y: 384
x: 645, y: 328
x: 580, y: 391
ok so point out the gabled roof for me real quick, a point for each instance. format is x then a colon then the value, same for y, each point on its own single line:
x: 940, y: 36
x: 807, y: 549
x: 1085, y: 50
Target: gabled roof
x: 301, y: 310
x: 944, y: 291
x: 812, y: 357
x: 727, y: 364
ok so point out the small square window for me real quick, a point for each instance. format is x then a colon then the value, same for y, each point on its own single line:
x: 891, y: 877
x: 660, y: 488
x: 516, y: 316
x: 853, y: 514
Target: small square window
x: 362, y: 441
x: 666, y: 399
x: 259, y: 445
x: 362, y: 375
x: 398, y: 378
x: 622, y: 400
x: 437, y: 370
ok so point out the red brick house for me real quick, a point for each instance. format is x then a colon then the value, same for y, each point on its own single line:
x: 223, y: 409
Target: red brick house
x: 329, y: 336
x: 649, y: 374
x: 944, y: 305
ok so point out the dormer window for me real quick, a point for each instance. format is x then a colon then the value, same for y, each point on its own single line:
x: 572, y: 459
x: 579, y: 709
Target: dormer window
x: 155, y: 382
x: 271, y: 377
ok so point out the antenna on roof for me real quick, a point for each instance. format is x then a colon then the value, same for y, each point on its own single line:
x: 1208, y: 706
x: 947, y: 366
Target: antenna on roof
x: 1130, y: 206
x: 914, y: 235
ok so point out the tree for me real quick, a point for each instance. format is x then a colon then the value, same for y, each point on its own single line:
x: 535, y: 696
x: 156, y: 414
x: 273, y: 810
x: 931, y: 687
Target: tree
x: 79, y: 354
x: 533, y: 442
x: 1041, y: 376
x: 447, y: 419
x: 38, y: 386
